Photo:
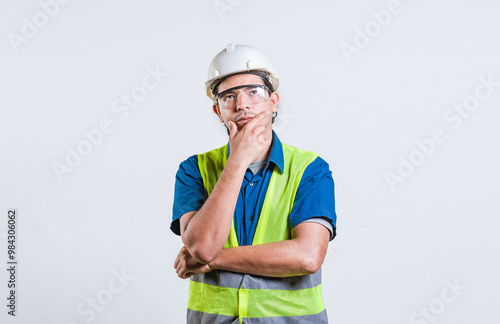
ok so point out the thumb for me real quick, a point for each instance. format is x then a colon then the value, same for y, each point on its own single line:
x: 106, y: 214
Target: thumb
x: 233, y: 130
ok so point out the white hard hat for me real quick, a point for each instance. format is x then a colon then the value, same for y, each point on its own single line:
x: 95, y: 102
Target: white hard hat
x: 236, y: 59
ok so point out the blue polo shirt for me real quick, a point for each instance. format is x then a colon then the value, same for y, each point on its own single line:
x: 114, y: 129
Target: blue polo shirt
x: 314, y: 197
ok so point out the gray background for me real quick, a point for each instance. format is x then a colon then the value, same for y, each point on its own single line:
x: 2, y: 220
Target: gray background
x: 398, y: 248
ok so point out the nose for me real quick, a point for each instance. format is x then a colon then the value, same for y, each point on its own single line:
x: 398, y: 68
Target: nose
x: 241, y: 101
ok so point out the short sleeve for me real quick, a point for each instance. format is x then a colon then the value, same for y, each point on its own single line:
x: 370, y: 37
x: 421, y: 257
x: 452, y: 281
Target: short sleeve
x: 189, y: 192
x: 315, y: 195
x: 323, y: 221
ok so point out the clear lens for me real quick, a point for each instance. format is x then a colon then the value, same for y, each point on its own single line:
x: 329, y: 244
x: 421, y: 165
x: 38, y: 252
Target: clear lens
x: 254, y: 94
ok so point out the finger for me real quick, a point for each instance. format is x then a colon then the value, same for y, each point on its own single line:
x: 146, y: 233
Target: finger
x: 259, y: 129
x: 179, y: 256
x: 180, y: 271
x: 233, y: 130
x: 270, y: 117
x: 257, y: 119
x: 176, y: 262
x: 184, y: 274
x: 179, y: 266
x: 262, y: 124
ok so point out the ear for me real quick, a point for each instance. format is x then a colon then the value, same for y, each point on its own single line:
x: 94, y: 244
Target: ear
x: 216, y: 110
x: 275, y: 99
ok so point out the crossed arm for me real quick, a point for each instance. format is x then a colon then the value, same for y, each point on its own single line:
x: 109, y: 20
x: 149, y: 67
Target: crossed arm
x: 303, y: 254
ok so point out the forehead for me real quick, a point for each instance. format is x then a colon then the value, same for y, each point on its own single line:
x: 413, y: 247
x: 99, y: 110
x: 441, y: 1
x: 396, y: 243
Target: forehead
x: 239, y: 79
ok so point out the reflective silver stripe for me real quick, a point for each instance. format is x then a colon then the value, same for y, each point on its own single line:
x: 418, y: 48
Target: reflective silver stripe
x: 219, y: 278
x: 319, y: 318
x: 194, y: 317
x: 285, y: 283
x: 228, y: 279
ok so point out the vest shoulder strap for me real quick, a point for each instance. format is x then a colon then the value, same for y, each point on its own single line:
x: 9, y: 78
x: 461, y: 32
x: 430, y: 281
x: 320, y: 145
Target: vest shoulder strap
x: 273, y: 225
x: 211, y: 165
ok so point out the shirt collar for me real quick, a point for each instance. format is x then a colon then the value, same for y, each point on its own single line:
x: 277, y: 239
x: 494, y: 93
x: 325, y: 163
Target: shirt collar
x: 276, y: 155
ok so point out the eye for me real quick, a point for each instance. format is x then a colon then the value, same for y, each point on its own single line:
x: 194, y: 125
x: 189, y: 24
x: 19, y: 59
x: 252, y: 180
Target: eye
x: 227, y: 97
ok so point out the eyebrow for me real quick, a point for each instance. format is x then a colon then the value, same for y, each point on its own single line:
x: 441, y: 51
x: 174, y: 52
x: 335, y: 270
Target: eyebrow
x: 227, y: 91
x: 245, y: 86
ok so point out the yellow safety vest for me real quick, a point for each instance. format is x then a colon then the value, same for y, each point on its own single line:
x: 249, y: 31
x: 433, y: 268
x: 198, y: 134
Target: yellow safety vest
x: 228, y: 297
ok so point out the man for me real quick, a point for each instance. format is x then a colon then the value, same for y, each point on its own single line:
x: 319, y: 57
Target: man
x: 255, y: 215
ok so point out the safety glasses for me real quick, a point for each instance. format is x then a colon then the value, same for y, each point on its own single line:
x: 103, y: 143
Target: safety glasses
x: 253, y: 93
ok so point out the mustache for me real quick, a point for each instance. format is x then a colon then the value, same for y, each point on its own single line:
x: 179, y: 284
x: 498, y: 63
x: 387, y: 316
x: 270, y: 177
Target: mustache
x: 242, y: 116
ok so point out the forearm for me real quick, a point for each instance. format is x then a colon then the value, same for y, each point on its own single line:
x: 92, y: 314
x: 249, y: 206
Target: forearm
x: 206, y: 232
x: 279, y: 259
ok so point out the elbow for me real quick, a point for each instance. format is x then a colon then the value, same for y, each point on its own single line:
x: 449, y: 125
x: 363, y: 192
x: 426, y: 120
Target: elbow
x: 312, y: 263
x: 200, y: 251
x: 202, y: 248
x: 311, y: 267
x: 203, y: 255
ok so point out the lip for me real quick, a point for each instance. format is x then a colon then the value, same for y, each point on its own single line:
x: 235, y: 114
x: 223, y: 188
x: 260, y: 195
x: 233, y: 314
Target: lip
x: 244, y: 119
